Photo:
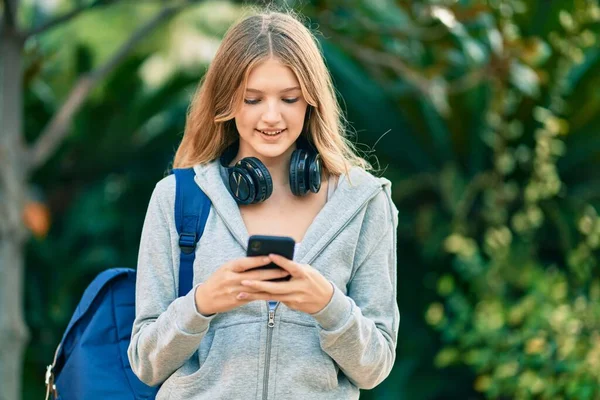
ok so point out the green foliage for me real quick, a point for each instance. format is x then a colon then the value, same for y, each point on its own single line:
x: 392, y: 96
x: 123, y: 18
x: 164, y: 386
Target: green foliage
x: 500, y: 98
x: 529, y: 329
x: 525, y: 316
x: 485, y: 116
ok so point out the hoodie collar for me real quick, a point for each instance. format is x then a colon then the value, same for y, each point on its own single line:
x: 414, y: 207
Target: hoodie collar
x: 350, y: 196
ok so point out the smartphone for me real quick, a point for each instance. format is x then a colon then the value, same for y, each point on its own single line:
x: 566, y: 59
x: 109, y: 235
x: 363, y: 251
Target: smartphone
x: 262, y: 245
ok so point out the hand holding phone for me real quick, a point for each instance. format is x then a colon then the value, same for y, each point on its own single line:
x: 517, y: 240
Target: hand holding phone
x: 262, y: 245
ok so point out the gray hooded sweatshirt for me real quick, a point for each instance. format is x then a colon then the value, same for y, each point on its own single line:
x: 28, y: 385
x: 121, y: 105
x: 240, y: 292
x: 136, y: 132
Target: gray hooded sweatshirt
x: 251, y: 352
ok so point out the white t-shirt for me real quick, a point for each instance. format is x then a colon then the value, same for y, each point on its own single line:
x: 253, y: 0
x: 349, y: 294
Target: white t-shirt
x: 332, y: 183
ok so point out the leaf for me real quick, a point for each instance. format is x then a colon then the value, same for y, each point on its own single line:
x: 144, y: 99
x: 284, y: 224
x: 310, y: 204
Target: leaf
x: 525, y: 79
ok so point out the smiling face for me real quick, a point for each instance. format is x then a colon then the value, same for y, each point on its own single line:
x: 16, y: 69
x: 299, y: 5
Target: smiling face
x: 271, y: 117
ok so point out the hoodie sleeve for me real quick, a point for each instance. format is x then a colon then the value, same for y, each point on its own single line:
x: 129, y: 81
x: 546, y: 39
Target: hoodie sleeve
x: 358, y: 330
x: 167, y: 330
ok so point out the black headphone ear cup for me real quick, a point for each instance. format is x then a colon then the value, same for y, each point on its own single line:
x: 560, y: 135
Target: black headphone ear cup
x: 294, y: 172
x: 302, y: 173
x: 315, y: 169
x: 241, y: 185
x: 263, y: 180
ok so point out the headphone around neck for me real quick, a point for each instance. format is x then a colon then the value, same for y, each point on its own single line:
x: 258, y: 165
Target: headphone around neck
x: 250, y: 182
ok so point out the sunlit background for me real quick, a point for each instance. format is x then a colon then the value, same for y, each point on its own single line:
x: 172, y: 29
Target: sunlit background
x: 485, y: 115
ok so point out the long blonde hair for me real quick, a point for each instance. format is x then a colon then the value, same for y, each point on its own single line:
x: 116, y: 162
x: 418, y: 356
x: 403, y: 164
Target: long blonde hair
x: 210, y: 125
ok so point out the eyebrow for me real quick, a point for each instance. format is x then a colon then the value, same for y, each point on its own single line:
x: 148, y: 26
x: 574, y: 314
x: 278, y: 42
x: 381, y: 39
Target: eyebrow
x: 283, y: 91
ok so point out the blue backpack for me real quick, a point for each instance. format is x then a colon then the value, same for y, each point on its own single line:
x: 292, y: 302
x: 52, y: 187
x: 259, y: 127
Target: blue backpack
x: 91, y: 360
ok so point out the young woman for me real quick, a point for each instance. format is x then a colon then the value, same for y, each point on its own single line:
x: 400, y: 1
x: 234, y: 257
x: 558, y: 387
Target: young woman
x: 266, y: 116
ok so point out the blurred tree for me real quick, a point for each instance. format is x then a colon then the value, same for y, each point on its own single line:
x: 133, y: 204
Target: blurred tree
x: 21, y: 160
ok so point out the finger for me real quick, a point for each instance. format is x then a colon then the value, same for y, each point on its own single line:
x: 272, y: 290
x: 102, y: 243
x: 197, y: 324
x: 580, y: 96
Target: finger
x: 239, y: 289
x: 246, y: 263
x: 269, y: 287
x: 264, y: 274
x: 253, y: 296
x: 292, y: 267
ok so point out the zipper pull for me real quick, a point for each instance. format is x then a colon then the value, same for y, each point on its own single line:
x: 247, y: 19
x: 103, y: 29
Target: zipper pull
x: 271, y: 318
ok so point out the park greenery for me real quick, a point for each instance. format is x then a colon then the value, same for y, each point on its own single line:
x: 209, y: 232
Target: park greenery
x: 484, y: 114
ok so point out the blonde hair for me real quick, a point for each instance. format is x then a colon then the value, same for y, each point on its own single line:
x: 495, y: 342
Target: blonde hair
x: 210, y: 125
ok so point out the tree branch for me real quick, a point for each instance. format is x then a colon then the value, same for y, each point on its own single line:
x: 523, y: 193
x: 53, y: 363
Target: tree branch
x: 376, y: 57
x: 412, y: 31
x: 66, y: 17
x: 469, y: 81
x: 58, y: 128
x: 421, y: 83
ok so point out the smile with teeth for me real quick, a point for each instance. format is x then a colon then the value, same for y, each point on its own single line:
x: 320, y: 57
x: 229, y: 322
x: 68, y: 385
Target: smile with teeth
x: 271, y: 133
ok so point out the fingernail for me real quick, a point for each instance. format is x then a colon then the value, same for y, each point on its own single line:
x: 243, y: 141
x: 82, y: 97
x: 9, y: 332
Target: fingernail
x: 242, y: 296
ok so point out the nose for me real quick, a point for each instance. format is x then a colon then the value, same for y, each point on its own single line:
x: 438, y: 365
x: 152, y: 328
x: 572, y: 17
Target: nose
x: 272, y: 114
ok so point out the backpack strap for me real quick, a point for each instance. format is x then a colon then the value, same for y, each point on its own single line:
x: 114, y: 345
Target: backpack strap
x: 191, y: 212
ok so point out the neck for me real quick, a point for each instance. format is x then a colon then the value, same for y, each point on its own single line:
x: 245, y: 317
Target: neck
x: 279, y: 169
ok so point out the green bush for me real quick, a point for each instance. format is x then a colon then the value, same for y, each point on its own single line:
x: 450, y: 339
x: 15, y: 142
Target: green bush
x: 496, y: 115
x: 520, y: 306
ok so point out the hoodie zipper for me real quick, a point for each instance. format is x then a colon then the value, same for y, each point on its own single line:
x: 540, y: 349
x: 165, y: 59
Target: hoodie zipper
x: 270, y: 326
